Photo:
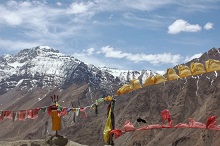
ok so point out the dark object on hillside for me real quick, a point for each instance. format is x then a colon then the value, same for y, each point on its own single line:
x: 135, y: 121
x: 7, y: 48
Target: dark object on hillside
x: 141, y: 120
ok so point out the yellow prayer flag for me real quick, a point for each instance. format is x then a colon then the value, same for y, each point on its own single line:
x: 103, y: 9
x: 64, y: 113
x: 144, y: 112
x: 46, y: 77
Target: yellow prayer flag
x: 212, y: 65
x: 197, y: 68
x: 171, y: 74
x: 56, y: 120
x: 184, y: 71
x: 107, y: 128
x: 108, y: 98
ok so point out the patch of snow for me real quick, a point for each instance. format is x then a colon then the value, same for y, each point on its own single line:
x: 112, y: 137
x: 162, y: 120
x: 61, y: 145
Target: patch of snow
x: 114, y: 72
x: 7, y: 56
x: 160, y: 72
x: 30, y: 89
x: 184, y: 82
x: 208, y: 77
x: 16, y: 64
x: 197, y: 86
x: 216, y: 74
x: 19, y: 82
x: 46, y: 47
x: 212, y: 82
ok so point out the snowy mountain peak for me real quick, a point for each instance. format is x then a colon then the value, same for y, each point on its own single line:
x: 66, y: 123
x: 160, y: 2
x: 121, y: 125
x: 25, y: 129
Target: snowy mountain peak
x: 46, y: 49
x: 43, y: 66
x: 36, y: 51
x: 126, y: 75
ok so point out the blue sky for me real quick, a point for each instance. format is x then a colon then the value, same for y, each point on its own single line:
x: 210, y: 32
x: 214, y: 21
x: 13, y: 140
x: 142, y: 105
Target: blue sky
x: 124, y: 34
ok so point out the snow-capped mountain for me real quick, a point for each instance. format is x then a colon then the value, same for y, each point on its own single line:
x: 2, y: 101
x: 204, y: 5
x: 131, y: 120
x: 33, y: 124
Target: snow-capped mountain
x: 126, y: 75
x: 40, y: 64
x: 43, y: 66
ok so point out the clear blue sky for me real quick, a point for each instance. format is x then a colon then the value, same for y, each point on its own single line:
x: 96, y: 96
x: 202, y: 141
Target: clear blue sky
x: 124, y: 34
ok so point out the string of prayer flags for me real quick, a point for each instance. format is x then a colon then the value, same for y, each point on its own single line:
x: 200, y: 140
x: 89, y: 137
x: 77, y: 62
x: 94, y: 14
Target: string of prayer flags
x: 21, y: 115
x: 196, y: 68
x: 211, y: 124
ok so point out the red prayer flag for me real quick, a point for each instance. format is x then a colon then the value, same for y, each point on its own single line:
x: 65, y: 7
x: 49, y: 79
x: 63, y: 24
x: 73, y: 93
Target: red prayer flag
x: 165, y: 114
x: 33, y: 113
x: 116, y: 132
x: 8, y: 114
x: 83, y: 112
x: 211, y: 122
x: 21, y: 115
x: 64, y: 111
x: 128, y: 126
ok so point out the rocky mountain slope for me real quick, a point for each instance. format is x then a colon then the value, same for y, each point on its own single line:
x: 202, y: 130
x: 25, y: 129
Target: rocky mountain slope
x: 195, y: 97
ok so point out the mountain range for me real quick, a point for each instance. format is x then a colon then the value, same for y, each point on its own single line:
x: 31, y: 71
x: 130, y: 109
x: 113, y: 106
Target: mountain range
x: 43, y: 66
x: 29, y: 78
